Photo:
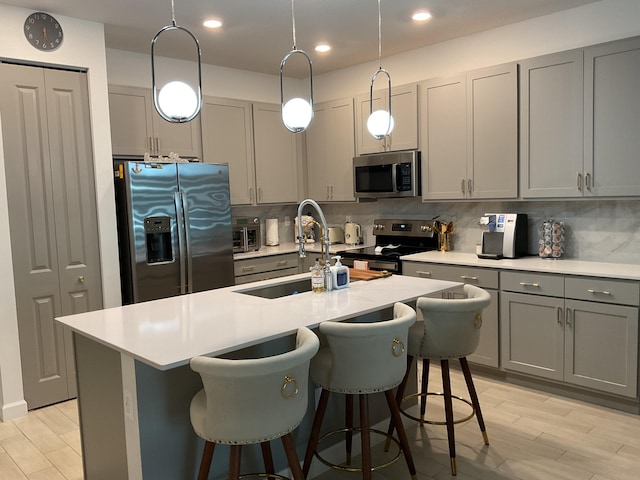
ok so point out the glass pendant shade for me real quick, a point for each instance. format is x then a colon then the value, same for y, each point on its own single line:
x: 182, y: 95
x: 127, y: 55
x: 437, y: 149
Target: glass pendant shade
x: 297, y: 114
x: 380, y: 124
x: 178, y: 100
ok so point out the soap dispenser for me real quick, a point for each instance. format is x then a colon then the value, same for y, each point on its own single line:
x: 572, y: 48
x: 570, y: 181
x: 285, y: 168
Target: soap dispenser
x: 317, y: 278
x: 339, y: 274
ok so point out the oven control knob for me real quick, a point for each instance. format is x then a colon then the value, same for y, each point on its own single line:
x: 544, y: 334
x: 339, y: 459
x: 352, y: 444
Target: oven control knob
x: 425, y: 228
x: 378, y: 227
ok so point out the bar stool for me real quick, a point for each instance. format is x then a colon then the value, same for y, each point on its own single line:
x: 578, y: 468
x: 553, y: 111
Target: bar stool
x: 361, y: 359
x: 451, y: 329
x: 253, y: 401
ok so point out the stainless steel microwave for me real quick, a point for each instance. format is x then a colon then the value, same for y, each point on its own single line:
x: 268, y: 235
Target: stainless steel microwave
x: 246, y: 234
x: 387, y: 175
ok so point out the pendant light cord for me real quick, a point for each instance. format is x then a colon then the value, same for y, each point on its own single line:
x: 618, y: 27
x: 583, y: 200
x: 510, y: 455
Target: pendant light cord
x: 379, y: 36
x: 173, y: 13
x: 293, y: 25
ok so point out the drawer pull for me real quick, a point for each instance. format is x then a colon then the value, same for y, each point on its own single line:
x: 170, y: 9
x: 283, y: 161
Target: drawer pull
x: 560, y: 315
x: 281, y: 263
x: 423, y: 273
x: 466, y: 277
x: 248, y: 269
x: 527, y: 284
x: 603, y: 292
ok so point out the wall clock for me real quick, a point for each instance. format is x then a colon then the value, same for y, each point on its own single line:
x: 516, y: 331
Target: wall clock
x: 43, y: 31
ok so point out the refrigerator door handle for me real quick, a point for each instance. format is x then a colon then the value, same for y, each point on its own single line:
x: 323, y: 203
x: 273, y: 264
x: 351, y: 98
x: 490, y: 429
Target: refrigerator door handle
x: 187, y: 237
x: 181, y: 240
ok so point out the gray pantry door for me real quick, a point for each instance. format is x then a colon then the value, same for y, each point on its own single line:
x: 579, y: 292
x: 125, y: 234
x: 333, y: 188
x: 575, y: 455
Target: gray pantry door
x: 52, y: 219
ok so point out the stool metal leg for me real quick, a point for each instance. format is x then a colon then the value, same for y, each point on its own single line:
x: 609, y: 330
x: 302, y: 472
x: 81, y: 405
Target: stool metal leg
x: 402, y: 434
x: 234, y: 462
x: 292, y: 457
x: 474, y: 398
x: 267, y: 457
x: 205, y: 463
x: 365, y: 437
x: 315, y: 431
x: 399, y: 395
x: 448, y: 408
x: 349, y: 424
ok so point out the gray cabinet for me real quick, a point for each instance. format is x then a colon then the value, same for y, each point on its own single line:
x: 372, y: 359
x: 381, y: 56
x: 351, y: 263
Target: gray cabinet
x: 330, y: 151
x: 136, y: 128
x: 228, y: 138
x: 469, y: 135
x: 404, y: 109
x: 52, y: 219
x: 578, y: 330
x: 488, y: 351
x: 263, y: 268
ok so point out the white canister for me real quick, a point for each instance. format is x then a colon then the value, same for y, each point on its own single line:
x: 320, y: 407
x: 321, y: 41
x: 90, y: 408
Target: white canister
x: 271, y: 227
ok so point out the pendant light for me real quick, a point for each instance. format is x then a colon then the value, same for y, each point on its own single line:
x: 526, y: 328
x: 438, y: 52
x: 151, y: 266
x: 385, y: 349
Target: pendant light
x: 380, y: 123
x: 176, y: 102
x: 297, y: 113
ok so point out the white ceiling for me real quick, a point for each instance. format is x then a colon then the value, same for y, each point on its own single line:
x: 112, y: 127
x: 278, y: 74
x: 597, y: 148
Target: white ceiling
x: 257, y: 33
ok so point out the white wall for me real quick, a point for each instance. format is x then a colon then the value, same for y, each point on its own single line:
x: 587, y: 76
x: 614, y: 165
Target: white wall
x: 83, y: 47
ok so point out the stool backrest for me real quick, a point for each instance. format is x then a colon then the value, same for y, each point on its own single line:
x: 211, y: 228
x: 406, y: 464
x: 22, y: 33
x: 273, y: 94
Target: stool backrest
x: 369, y: 357
x: 250, y: 400
x: 452, y: 326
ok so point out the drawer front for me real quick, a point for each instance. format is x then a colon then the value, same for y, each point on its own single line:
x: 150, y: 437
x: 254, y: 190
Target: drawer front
x: 532, y: 283
x: 603, y: 290
x: 255, y: 277
x: 480, y: 277
x: 265, y: 264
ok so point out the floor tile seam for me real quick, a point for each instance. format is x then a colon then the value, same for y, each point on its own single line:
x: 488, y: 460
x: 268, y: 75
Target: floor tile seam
x: 10, y: 458
x: 619, y: 473
x: 37, y: 449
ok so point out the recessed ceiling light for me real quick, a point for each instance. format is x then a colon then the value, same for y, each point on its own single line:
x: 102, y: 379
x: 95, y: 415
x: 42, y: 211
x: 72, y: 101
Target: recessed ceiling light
x: 212, y: 23
x: 323, y: 48
x: 421, y: 16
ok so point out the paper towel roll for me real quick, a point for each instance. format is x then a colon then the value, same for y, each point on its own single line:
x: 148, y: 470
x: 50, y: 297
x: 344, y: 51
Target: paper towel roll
x: 272, y: 231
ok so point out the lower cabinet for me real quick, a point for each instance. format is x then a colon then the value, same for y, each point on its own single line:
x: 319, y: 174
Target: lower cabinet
x: 590, y: 340
x: 263, y: 268
x: 488, y: 351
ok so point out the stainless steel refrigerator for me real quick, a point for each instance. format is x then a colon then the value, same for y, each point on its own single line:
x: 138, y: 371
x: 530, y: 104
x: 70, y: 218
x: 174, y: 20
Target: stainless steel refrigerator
x: 174, y: 228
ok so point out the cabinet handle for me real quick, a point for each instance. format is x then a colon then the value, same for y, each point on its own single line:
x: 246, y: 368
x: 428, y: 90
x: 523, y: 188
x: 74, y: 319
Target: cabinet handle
x: 560, y: 315
x: 423, y: 273
x: 603, y: 292
x: 587, y: 181
x: 259, y: 194
x: 157, y: 145
x: 469, y: 186
x: 251, y: 194
x: 579, y: 180
x: 462, y: 186
x: 281, y: 263
x: 466, y: 277
x: 527, y: 284
x: 248, y: 268
x: 568, y: 317
x: 151, y: 145
x: 331, y: 186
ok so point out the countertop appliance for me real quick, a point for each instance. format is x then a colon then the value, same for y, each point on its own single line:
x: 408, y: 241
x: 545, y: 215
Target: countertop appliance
x: 394, y: 238
x: 352, y: 233
x: 336, y: 235
x: 506, y: 235
x: 387, y: 175
x: 246, y: 234
x: 308, y: 229
x: 174, y: 228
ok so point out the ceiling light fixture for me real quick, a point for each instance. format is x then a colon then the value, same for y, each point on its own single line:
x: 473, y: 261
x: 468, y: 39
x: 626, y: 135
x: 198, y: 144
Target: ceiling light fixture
x: 212, y: 23
x: 176, y: 102
x: 380, y: 123
x: 421, y: 16
x: 297, y: 113
x: 322, y: 48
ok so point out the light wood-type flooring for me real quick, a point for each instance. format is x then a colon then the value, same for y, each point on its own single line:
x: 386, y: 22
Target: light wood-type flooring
x: 533, y: 435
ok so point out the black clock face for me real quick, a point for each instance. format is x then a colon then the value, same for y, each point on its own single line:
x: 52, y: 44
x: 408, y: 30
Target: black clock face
x: 43, y: 31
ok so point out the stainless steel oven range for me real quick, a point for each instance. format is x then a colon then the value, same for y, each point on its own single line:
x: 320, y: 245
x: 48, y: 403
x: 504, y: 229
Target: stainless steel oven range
x: 394, y: 238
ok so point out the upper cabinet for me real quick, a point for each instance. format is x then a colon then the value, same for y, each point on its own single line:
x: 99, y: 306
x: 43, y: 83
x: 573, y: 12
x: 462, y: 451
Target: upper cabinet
x: 228, y: 138
x: 579, y: 135
x: 404, y: 109
x: 330, y: 151
x: 469, y: 135
x: 136, y: 128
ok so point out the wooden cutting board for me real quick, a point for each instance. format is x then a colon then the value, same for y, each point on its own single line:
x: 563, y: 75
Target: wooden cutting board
x: 357, y: 274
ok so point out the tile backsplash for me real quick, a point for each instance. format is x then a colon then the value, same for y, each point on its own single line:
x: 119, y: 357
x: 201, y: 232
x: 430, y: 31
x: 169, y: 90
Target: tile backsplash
x: 598, y: 230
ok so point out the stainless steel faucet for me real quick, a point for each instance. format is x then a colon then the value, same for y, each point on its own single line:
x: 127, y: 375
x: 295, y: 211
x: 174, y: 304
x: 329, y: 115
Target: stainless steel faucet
x: 324, y: 233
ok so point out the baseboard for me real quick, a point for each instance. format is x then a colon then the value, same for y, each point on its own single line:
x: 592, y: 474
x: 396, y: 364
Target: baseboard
x: 13, y: 410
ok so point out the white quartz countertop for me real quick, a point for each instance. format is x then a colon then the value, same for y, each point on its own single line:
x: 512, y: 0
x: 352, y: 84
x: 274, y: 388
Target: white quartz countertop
x: 167, y: 333
x: 283, y: 248
x: 533, y: 264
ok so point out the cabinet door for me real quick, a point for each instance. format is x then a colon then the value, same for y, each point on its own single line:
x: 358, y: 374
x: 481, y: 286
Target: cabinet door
x: 612, y: 110
x: 601, y: 347
x: 275, y: 156
x: 551, y: 125
x: 443, y: 138
x: 492, y: 170
x: 131, y: 124
x: 228, y: 138
x: 364, y: 106
x: 404, y: 110
x: 488, y: 351
x: 182, y: 138
x: 532, y: 334
x: 330, y: 151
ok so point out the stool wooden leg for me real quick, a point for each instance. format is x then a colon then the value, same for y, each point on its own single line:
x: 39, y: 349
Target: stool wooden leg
x: 402, y: 434
x: 292, y: 457
x: 315, y: 431
x: 365, y: 436
x: 234, y: 462
x: 424, y: 389
x: 448, y: 408
x: 349, y: 425
x: 399, y: 396
x: 474, y: 397
x: 205, y: 463
x: 267, y: 457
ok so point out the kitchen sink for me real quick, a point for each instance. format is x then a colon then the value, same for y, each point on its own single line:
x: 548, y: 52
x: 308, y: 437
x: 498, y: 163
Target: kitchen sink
x: 280, y: 290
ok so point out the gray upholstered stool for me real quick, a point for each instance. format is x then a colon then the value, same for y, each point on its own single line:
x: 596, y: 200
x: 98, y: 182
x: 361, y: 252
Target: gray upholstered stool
x: 450, y: 329
x: 361, y: 359
x: 253, y: 401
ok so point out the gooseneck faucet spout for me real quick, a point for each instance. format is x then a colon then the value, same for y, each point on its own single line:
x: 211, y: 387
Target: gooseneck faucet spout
x: 325, y: 233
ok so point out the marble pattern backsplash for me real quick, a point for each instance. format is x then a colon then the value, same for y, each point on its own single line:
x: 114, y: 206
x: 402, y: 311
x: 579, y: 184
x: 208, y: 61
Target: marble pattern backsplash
x: 597, y: 230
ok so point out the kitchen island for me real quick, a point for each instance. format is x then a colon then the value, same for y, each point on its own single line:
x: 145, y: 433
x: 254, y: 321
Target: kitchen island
x: 134, y: 380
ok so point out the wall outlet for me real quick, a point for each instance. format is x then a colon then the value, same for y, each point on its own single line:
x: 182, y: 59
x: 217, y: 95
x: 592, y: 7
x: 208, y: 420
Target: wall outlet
x: 287, y: 221
x: 128, y: 405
